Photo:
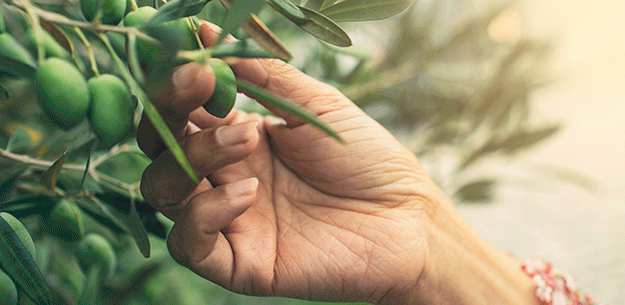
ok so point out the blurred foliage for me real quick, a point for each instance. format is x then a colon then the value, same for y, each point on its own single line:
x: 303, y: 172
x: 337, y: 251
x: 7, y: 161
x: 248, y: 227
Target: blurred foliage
x: 454, y: 88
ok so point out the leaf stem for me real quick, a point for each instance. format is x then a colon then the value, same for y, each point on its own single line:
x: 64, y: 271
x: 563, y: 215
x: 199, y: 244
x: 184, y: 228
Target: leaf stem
x: 89, y: 47
x: 95, y: 27
x: 34, y: 20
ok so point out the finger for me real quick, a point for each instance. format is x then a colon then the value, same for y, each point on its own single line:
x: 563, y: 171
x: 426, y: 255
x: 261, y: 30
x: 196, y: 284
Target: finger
x: 196, y: 242
x: 166, y: 186
x: 190, y: 87
x: 284, y: 80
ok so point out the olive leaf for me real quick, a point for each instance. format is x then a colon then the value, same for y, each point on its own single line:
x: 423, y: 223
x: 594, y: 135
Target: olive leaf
x: 313, y: 4
x: 17, y: 67
x: 287, y: 8
x: 323, y: 28
x: 364, y: 10
x: 4, y: 94
x: 20, y: 265
x: 326, y: 4
x: 288, y: 107
x: 27, y: 205
x: 245, y: 48
x: 477, y: 191
x: 58, y: 34
x: 19, y: 142
x: 177, y: 9
x: 51, y: 175
x: 137, y: 229
x: 153, y: 115
x: 9, y: 177
x: 238, y: 13
x: 133, y: 59
x: 258, y: 31
x: 523, y: 139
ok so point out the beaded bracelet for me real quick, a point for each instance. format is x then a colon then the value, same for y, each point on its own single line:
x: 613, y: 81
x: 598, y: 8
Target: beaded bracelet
x: 553, y: 286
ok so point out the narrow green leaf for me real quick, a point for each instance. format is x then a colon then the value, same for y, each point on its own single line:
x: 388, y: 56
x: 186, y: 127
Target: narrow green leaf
x: 133, y: 59
x: 289, y: 107
x: 287, y: 8
x: 17, y: 67
x: 525, y: 139
x: 323, y: 28
x: 4, y: 94
x: 326, y: 4
x: 258, y: 31
x: 313, y: 4
x: 19, y: 142
x: 101, y: 212
x: 20, y: 265
x: 152, y: 114
x: 88, y: 164
x: 238, y: 13
x: 40, y: 200
x: 364, y: 10
x: 51, y: 175
x: 477, y: 191
x: 138, y: 230
x: 245, y: 48
x: 9, y: 177
x: 177, y: 9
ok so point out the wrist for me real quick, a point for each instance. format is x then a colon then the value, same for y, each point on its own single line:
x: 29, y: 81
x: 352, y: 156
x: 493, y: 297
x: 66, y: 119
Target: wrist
x: 462, y: 268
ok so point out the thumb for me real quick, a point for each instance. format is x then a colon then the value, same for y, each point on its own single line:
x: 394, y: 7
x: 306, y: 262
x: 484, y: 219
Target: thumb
x: 284, y: 80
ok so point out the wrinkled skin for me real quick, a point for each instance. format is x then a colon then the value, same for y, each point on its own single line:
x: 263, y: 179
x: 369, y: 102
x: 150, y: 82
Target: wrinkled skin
x: 327, y: 221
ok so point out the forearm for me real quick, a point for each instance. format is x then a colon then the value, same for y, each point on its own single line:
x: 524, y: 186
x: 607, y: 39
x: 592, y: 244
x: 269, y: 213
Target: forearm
x: 462, y: 268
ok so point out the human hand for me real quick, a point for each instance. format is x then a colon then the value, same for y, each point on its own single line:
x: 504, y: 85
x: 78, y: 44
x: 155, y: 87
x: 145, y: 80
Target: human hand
x: 285, y: 210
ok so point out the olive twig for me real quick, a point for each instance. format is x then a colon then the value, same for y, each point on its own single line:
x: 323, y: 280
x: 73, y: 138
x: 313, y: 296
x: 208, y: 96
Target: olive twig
x: 92, y: 171
x: 95, y: 27
x: 89, y: 47
x: 196, y: 34
x: 34, y: 19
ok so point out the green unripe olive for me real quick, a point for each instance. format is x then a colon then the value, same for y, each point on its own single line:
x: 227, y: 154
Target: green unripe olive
x: 8, y: 291
x: 225, y: 94
x: 112, y: 10
x: 147, y: 52
x: 20, y: 231
x: 50, y: 45
x: 94, y: 249
x: 112, y: 108
x: 66, y: 221
x: 62, y: 92
x: 11, y: 48
x: 150, y: 53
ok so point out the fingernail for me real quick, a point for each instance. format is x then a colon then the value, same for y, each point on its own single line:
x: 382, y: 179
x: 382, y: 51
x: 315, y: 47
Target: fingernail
x: 235, y: 134
x: 184, y: 77
x: 242, y: 189
x: 272, y: 120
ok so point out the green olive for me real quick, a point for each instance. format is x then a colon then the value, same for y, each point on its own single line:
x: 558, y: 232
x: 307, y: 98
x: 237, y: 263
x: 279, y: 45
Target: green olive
x: 97, y: 258
x: 225, y: 94
x: 150, y: 53
x: 62, y: 92
x: 20, y: 231
x: 65, y: 220
x: 112, y: 10
x: 9, y: 47
x: 8, y: 291
x: 112, y: 108
x: 52, y: 47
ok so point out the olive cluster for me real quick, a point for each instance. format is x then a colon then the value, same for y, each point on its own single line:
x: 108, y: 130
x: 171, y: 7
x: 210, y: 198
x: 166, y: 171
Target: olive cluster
x: 67, y: 97
x: 94, y: 252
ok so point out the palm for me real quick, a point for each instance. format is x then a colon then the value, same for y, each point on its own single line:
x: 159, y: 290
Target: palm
x: 322, y: 221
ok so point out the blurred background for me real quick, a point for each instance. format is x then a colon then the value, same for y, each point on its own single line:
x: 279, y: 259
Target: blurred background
x: 581, y: 232
x: 514, y: 109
